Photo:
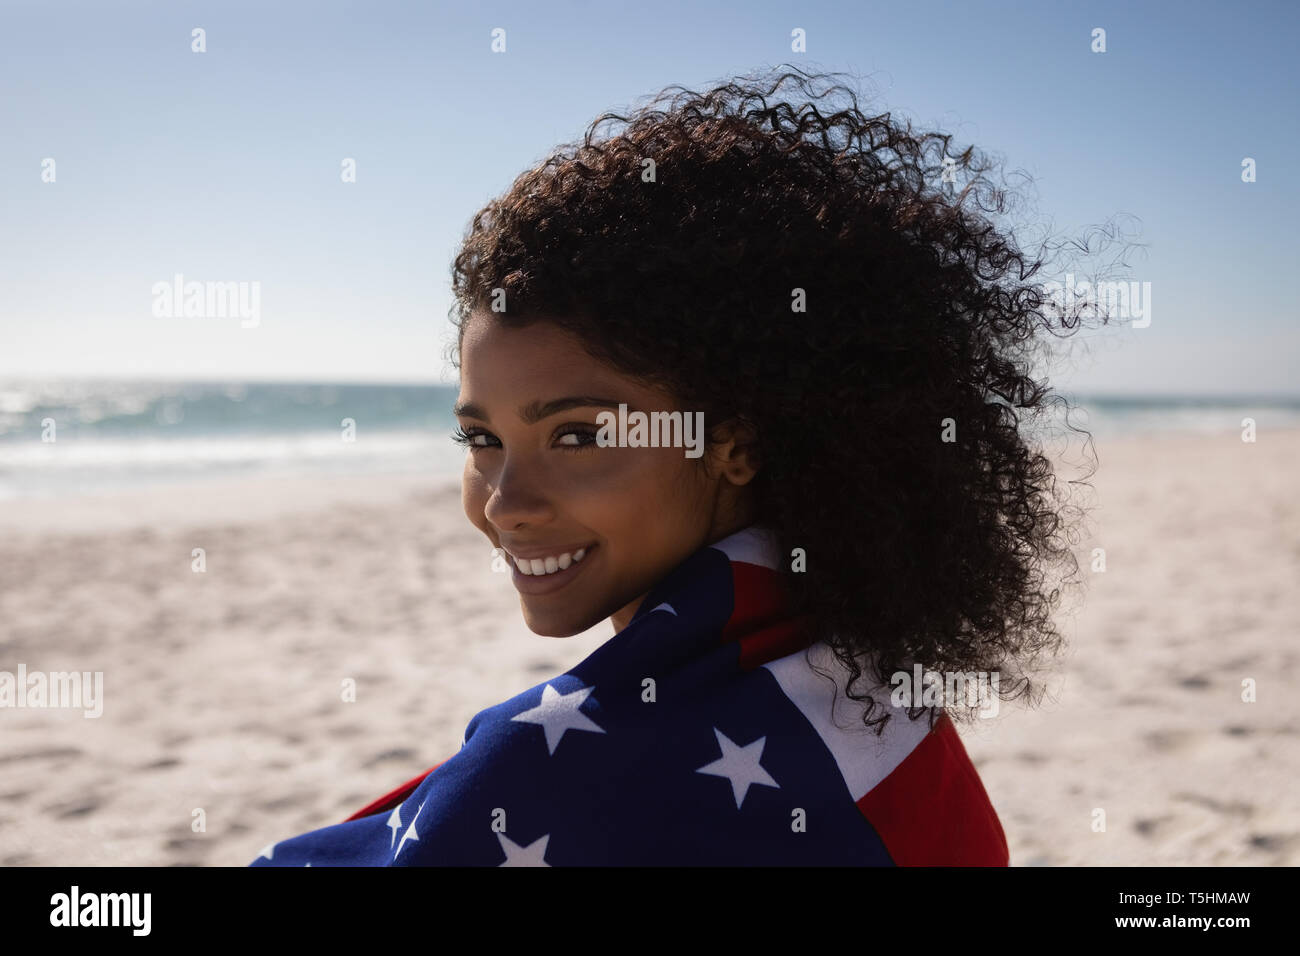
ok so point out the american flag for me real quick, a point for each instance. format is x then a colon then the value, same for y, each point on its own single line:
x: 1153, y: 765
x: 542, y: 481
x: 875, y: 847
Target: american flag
x: 699, y: 735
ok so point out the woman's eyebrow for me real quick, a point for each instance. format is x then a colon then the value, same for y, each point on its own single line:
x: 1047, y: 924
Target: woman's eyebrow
x: 535, y: 411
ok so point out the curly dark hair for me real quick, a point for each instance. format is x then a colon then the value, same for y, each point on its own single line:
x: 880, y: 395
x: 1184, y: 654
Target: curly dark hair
x: 675, y: 249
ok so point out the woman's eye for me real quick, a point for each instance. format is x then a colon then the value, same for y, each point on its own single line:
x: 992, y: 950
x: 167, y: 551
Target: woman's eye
x: 576, y: 437
x: 468, y: 438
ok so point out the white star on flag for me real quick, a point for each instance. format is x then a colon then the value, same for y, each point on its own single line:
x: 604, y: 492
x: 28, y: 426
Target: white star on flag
x: 517, y: 855
x: 410, y: 833
x: 740, y: 765
x: 559, y: 712
x: 395, y: 824
x: 267, y: 850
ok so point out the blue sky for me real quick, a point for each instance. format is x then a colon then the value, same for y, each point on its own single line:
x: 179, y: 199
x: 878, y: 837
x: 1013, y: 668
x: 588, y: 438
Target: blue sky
x: 225, y: 165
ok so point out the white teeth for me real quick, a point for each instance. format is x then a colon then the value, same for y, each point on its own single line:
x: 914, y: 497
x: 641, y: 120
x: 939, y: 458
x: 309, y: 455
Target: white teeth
x: 549, y: 565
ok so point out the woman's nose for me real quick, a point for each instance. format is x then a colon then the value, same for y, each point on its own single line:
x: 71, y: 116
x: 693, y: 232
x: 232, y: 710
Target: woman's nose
x: 518, y: 498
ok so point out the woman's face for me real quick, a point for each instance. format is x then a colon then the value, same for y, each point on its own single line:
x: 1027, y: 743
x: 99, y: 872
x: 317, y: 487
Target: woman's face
x: 538, y: 486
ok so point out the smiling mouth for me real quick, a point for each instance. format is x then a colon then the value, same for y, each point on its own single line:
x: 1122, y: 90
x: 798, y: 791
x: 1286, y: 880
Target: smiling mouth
x: 527, y: 582
x: 551, y: 564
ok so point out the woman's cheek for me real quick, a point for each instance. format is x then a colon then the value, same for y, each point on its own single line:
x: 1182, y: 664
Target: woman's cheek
x: 619, y: 469
x: 474, y: 495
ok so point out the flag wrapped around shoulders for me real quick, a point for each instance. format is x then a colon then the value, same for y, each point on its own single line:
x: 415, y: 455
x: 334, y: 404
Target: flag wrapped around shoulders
x: 698, y: 735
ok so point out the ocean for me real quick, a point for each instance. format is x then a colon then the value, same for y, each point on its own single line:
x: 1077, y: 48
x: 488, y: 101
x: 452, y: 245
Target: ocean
x: 127, y: 434
x: 123, y: 434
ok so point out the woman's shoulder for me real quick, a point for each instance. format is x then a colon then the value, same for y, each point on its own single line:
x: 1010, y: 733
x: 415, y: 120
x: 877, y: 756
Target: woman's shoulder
x: 913, y: 781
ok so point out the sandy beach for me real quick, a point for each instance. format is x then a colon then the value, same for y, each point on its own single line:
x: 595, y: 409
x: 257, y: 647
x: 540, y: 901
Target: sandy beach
x: 223, y: 690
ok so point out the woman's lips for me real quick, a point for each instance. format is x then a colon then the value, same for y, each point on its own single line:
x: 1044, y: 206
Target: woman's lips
x: 546, y: 583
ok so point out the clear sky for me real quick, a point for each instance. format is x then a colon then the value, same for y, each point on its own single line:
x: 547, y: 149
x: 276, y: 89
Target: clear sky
x: 225, y: 165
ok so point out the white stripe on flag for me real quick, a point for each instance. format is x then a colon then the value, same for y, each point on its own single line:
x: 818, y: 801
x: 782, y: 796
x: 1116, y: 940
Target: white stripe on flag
x: 863, y: 758
x: 752, y: 545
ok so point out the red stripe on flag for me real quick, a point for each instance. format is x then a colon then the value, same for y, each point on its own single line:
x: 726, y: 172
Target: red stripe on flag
x: 758, y: 618
x: 394, y: 797
x: 933, y: 809
x: 775, y: 641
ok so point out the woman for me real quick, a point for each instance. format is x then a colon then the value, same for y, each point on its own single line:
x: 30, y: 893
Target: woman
x: 860, y: 505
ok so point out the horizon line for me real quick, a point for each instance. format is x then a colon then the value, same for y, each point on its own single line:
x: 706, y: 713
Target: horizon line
x: 1063, y: 391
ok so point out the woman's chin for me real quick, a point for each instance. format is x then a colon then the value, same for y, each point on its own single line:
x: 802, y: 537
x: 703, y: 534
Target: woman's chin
x: 554, y: 623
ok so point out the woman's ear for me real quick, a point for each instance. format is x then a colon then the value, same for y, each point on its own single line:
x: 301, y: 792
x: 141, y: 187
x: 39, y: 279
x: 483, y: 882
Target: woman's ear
x: 735, y: 454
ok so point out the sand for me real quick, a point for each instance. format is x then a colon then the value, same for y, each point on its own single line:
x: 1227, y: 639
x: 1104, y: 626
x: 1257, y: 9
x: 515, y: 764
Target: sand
x: 223, y: 700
